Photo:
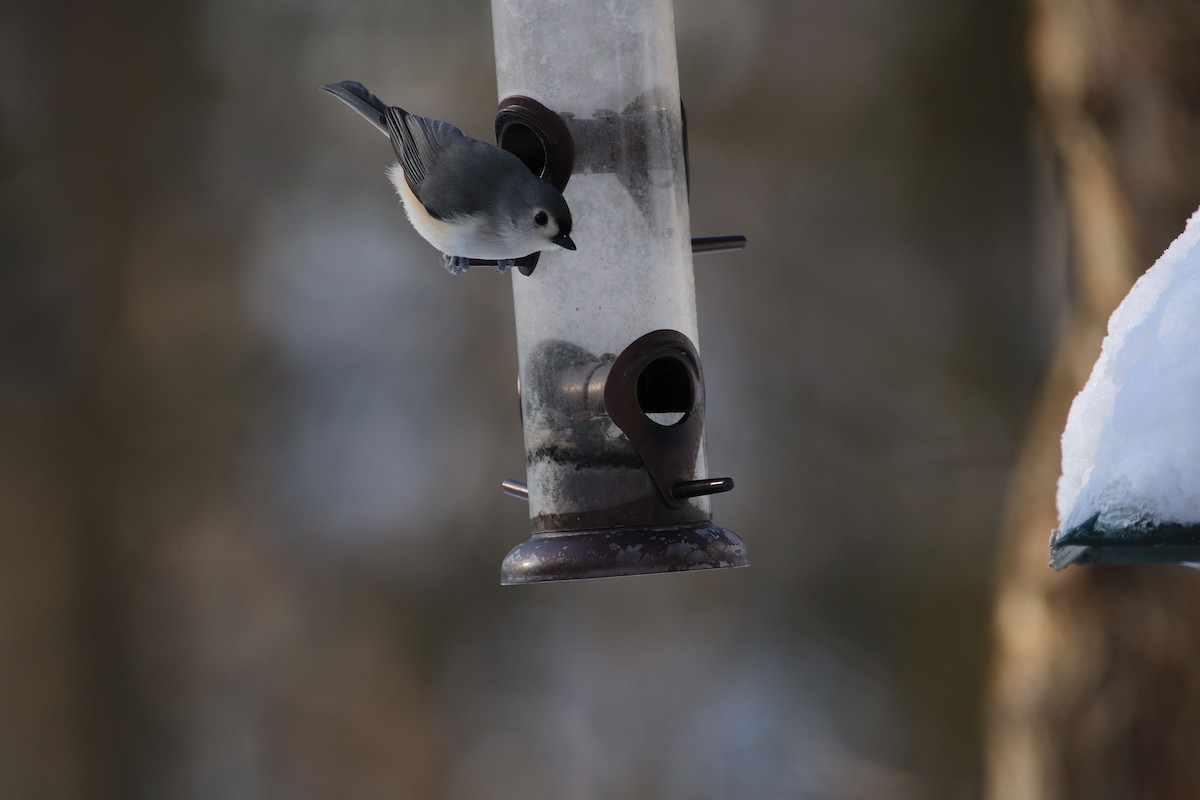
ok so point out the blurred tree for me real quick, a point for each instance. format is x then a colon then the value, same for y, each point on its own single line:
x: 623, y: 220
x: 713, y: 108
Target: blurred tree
x: 1095, y: 691
x: 120, y: 405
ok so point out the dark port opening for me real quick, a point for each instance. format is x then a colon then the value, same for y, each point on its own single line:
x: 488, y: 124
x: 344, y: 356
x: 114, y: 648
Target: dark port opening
x: 665, y: 392
x: 524, y: 142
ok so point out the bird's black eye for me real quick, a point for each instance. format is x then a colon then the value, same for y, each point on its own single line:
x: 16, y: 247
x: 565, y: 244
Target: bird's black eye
x: 541, y: 218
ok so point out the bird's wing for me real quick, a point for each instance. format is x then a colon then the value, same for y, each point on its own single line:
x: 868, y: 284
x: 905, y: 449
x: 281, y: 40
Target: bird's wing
x: 419, y: 144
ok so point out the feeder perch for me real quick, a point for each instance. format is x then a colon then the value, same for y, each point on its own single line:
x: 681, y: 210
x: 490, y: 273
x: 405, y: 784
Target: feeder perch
x: 611, y: 383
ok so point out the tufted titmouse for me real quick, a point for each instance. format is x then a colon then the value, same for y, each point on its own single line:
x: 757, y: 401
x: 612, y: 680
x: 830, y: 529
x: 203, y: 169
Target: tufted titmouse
x: 468, y: 198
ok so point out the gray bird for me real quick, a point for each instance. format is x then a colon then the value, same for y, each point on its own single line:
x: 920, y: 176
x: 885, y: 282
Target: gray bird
x: 467, y: 198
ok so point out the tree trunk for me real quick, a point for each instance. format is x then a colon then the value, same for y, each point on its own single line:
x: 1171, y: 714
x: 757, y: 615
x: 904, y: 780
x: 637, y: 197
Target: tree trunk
x: 94, y: 358
x: 1095, y: 689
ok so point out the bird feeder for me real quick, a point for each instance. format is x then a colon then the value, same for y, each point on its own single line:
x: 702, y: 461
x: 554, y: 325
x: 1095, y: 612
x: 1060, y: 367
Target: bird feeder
x: 1130, y: 488
x: 610, y: 379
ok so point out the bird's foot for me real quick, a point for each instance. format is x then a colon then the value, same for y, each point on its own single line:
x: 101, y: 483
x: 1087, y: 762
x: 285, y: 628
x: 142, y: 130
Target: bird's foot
x: 504, y: 263
x: 456, y: 265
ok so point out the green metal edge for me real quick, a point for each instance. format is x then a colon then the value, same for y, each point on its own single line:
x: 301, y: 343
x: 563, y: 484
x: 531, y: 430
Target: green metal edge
x: 1140, y: 543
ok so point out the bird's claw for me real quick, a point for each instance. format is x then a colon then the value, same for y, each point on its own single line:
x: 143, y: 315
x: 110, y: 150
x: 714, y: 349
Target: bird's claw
x: 456, y: 265
x: 504, y: 263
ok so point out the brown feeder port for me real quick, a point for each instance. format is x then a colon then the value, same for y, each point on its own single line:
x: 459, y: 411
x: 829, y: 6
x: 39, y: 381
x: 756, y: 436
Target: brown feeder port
x: 612, y: 390
x: 645, y: 515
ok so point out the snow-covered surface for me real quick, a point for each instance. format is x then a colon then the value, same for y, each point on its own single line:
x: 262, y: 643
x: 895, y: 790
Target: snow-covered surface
x: 1131, y: 448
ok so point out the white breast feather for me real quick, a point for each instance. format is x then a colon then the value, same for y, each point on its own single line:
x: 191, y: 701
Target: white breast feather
x: 462, y: 238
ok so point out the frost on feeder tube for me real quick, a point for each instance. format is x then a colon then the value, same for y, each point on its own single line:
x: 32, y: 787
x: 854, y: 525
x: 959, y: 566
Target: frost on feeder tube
x: 611, y: 385
x: 1130, y: 485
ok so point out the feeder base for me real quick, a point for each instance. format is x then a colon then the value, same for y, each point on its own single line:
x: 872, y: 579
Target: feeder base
x: 573, y: 555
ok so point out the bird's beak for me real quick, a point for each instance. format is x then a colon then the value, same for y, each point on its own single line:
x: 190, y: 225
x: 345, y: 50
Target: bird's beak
x: 562, y: 240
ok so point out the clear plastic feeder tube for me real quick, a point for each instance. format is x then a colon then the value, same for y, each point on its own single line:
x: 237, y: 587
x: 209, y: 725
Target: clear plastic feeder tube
x: 609, y: 69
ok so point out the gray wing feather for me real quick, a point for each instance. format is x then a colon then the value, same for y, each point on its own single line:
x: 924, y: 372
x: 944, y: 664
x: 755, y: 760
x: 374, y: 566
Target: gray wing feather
x: 450, y: 173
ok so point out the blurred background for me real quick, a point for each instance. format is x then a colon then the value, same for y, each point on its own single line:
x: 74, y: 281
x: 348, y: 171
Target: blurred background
x: 253, y: 433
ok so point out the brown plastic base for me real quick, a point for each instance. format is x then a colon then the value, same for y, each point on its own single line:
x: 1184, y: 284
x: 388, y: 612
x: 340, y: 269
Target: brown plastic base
x: 574, y: 555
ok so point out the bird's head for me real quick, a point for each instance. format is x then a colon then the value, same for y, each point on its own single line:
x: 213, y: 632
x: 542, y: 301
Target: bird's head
x: 540, y: 216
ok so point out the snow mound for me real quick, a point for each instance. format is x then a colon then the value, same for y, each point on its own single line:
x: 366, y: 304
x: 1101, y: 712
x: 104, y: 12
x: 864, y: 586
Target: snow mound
x: 1131, y: 448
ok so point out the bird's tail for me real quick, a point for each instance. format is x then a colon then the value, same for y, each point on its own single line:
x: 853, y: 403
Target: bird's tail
x: 360, y: 98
